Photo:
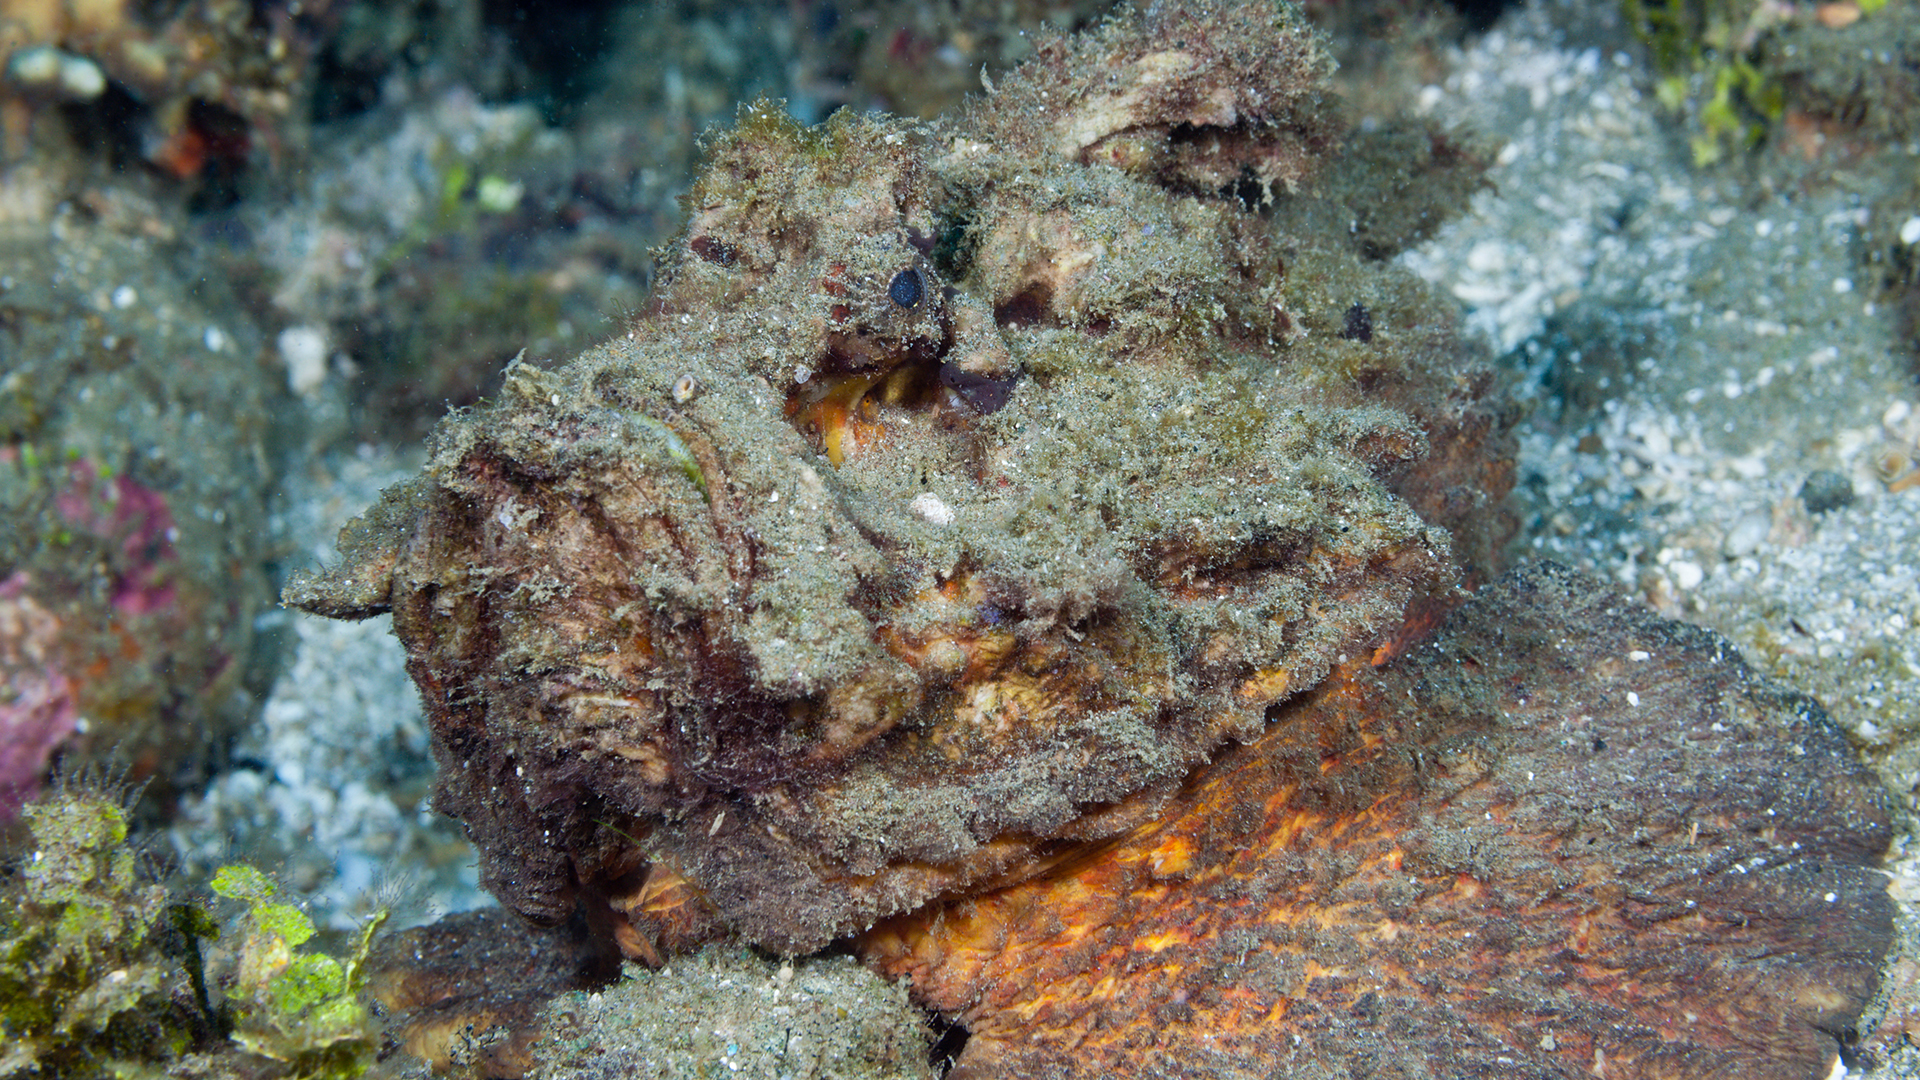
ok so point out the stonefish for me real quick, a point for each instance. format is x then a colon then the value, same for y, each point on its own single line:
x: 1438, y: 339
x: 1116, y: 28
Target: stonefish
x: 1004, y: 542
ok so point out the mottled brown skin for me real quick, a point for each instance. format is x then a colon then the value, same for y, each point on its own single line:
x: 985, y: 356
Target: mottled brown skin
x: 1210, y: 98
x: 1483, y: 859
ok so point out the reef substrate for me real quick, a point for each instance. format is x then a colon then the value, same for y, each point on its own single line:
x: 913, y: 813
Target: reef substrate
x: 136, y: 450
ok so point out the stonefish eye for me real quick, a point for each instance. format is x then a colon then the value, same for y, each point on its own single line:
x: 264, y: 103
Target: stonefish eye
x: 905, y: 289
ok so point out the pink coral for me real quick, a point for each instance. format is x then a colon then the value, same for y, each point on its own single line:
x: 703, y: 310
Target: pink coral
x: 37, y: 707
x: 133, y: 517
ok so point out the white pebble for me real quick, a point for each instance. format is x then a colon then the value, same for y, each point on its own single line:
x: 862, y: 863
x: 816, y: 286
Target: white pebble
x: 1487, y: 256
x: 46, y: 69
x: 1910, y: 230
x: 39, y: 66
x: 1686, y: 575
x: 81, y: 79
x: 1747, y: 535
x: 304, y: 350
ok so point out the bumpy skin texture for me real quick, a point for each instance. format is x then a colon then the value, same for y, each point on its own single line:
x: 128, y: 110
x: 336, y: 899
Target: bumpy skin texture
x: 800, y: 605
x: 1563, y: 838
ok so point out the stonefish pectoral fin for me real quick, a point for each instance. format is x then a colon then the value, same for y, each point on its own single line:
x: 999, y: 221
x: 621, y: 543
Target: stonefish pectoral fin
x: 1563, y: 838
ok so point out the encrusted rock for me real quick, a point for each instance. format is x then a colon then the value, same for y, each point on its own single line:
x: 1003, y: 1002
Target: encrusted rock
x: 135, y: 451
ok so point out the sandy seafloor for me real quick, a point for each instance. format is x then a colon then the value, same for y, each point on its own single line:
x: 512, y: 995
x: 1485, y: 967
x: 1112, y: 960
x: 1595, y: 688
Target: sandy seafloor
x: 1694, y: 344
x: 1743, y: 352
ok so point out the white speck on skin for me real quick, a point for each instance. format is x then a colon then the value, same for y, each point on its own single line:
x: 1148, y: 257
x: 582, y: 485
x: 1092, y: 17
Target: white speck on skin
x: 930, y: 506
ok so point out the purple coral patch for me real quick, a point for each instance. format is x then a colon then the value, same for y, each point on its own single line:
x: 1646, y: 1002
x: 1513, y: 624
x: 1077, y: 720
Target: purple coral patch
x: 37, y: 707
x: 136, y: 519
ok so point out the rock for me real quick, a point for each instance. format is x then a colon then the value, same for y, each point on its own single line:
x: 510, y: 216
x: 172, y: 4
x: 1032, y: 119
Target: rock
x: 135, y: 458
x: 1826, y: 490
x: 471, y: 987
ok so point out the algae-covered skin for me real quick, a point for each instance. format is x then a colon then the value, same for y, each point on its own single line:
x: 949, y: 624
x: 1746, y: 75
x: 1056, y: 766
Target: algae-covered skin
x: 963, y: 486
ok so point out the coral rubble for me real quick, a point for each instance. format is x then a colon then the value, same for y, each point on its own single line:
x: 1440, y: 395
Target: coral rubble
x: 822, y: 1016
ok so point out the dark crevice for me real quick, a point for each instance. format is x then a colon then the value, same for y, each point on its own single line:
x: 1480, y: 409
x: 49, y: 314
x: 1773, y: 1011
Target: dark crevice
x: 558, y: 45
x: 1480, y: 15
x: 949, y: 1039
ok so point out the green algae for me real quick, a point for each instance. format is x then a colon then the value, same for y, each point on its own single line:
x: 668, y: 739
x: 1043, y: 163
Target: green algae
x: 83, y: 977
x: 1736, y: 68
x: 103, y: 972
